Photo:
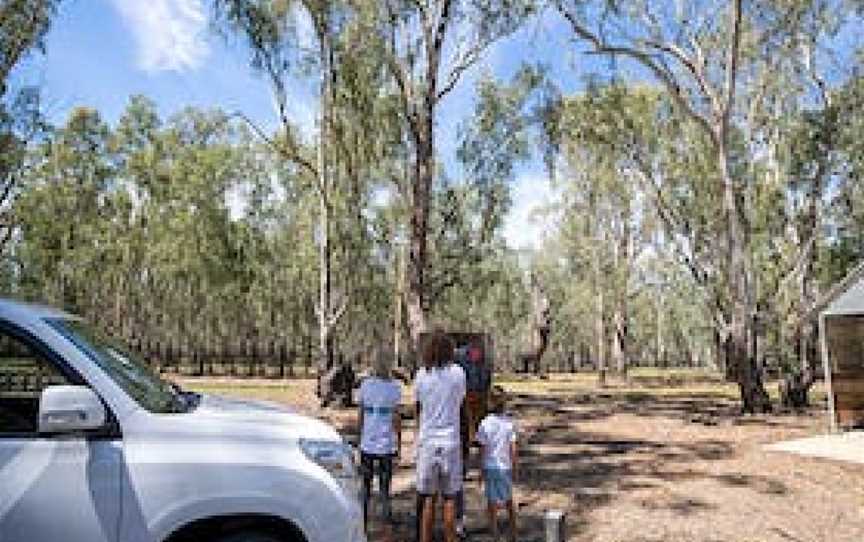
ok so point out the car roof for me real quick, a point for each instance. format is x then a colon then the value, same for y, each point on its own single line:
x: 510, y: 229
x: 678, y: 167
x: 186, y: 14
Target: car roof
x: 15, y: 310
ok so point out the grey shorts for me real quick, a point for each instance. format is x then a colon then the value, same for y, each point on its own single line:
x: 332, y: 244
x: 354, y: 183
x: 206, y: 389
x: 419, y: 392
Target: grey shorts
x: 439, y: 470
x: 499, y: 485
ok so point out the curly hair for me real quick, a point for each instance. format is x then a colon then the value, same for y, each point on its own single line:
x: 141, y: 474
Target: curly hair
x: 437, y: 349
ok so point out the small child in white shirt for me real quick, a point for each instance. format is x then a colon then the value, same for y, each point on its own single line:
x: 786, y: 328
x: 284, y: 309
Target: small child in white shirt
x: 497, y: 436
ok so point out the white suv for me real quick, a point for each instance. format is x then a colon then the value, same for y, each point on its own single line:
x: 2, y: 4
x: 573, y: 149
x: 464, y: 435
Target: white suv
x: 94, y: 447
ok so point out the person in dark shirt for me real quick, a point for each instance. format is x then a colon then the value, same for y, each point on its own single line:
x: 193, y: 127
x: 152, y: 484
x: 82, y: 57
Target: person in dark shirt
x: 478, y: 378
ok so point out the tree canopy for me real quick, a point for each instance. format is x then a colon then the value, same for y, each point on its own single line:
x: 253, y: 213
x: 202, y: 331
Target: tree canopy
x: 707, y: 189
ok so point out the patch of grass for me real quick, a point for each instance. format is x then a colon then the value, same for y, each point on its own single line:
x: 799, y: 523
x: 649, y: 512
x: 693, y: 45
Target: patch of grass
x: 301, y: 392
x: 291, y: 392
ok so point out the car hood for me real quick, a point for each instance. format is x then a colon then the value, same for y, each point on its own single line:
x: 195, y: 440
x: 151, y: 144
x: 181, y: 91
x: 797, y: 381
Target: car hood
x: 217, y: 404
x: 225, y: 418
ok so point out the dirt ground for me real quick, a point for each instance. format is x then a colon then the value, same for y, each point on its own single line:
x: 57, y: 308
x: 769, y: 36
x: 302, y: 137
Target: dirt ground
x: 656, y: 459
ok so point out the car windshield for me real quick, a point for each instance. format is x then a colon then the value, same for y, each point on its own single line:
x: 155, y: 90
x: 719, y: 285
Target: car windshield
x: 146, y: 387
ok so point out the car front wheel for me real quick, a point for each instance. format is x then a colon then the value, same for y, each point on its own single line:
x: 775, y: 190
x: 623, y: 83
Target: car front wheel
x: 253, y: 536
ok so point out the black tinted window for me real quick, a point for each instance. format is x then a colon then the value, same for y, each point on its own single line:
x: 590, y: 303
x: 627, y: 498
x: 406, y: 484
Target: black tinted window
x: 23, y: 375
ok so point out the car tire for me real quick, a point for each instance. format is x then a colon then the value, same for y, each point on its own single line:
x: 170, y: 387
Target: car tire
x: 252, y: 536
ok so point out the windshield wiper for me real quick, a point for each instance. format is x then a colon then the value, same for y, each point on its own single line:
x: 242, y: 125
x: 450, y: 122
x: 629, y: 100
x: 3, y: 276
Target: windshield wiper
x: 192, y: 400
x: 189, y: 400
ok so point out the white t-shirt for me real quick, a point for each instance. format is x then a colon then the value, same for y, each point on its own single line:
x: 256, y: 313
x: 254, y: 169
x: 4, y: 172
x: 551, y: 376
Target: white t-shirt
x: 379, y: 400
x: 496, y: 433
x: 440, y: 392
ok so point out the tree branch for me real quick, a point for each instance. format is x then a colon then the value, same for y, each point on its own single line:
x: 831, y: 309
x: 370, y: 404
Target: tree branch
x: 466, y: 60
x: 731, y: 66
x: 433, y: 51
x: 397, y: 70
x: 335, y: 316
x: 673, y: 225
x: 694, y: 67
x: 644, y: 58
x: 291, y: 153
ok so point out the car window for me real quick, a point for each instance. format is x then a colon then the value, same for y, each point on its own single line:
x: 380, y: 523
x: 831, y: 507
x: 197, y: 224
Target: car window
x: 24, y: 373
x: 136, y: 378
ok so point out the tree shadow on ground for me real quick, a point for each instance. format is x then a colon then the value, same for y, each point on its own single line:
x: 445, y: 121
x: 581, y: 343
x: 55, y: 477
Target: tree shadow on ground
x: 595, y: 468
x: 694, y: 407
x: 588, y: 469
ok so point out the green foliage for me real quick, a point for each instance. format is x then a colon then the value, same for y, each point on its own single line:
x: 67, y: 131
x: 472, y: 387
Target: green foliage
x: 202, y: 231
x: 23, y: 24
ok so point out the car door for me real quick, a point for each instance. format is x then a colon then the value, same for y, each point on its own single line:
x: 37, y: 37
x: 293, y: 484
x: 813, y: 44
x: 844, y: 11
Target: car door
x: 52, y: 487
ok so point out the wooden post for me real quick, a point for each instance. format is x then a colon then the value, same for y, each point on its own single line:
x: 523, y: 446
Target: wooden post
x: 826, y: 365
x: 554, y: 522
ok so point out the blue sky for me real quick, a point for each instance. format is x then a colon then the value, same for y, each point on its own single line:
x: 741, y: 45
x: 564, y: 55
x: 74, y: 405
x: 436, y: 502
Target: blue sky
x: 100, y: 52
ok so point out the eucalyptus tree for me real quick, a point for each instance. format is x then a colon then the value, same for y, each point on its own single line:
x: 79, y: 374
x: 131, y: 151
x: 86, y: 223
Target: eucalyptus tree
x: 706, y: 98
x: 816, y: 169
x: 348, y: 78
x: 429, y: 45
x: 710, y: 68
x: 70, y: 177
x: 467, y: 215
x: 23, y: 25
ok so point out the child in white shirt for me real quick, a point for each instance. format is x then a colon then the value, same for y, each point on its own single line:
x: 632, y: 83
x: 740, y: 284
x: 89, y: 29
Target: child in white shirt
x: 497, y: 436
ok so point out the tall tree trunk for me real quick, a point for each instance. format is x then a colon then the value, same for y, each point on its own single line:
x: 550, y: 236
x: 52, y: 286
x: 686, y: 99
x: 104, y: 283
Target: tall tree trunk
x: 324, y: 291
x: 325, y: 311
x: 424, y: 173
x: 660, y: 349
x: 754, y: 398
x: 623, y: 252
x: 619, y: 344
x: 601, y: 341
x: 397, y: 305
x: 795, y: 388
x: 748, y: 375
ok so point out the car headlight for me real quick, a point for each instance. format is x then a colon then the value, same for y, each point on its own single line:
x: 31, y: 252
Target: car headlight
x: 335, y: 457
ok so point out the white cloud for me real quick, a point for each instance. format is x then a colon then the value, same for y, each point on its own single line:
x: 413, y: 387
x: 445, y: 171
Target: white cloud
x: 524, y: 227
x: 170, y: 34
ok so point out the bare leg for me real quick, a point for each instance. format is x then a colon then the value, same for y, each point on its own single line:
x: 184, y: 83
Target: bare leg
x: 449, y: 519
x: 493, y: 520
x: 427, y: 522
x: 511, y: 511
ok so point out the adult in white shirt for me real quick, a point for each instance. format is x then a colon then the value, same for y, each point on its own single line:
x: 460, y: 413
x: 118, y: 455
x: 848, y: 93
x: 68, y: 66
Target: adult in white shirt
x: 439, y: 390
x: 380, y: 432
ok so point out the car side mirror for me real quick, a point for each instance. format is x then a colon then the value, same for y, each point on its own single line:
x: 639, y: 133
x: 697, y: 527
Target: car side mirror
x: 70, y: 409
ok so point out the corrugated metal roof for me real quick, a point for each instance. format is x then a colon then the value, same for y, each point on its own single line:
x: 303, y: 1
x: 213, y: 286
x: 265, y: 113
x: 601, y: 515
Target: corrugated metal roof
x: 836, y: 301
x: 851, y: 301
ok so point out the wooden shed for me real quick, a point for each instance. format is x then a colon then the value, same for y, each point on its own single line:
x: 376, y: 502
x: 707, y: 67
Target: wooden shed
x: 841, y: 331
